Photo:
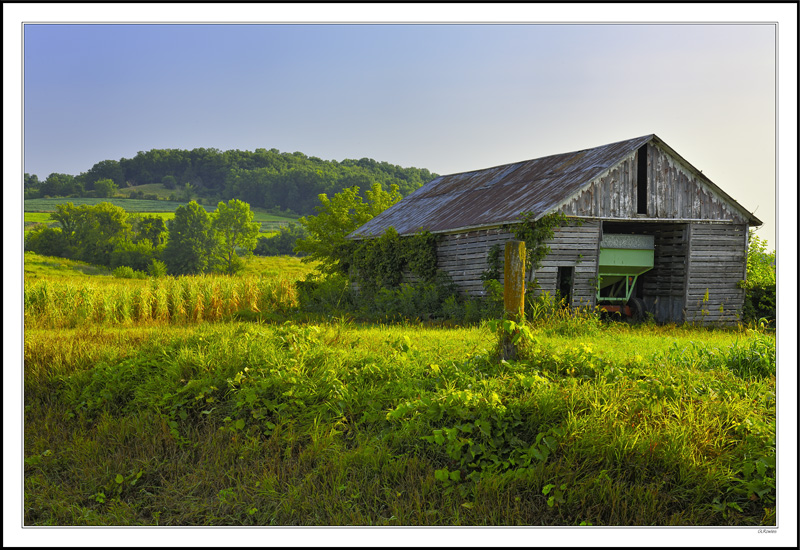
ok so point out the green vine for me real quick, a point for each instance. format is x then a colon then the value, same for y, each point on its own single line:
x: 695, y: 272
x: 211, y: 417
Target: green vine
x: 535, y: 232
x: 380, y: 263
x: 493, y: 259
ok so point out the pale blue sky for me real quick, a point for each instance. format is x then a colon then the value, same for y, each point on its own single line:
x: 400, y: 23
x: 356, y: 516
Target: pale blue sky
x: 448, y: 98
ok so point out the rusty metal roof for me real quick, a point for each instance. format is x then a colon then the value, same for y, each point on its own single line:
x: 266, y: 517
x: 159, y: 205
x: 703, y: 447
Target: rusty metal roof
x: 498, y: 195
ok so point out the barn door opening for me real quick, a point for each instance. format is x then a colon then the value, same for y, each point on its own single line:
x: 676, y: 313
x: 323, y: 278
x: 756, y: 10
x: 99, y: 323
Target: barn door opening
x: 566, y: 275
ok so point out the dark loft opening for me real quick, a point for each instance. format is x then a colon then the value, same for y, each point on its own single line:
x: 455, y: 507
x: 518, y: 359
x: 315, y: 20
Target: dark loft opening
x: 565, y: 276
x: 641, y: 181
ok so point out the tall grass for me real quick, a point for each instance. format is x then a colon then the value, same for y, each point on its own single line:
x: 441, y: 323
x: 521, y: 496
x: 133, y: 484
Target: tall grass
x: 70, y: 304
x: 340, y: 424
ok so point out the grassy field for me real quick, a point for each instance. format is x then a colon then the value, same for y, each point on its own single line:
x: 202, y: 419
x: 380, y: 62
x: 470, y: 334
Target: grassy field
x: 157, y: 189
x: 66, y: 272
x: 202, y: 401
x: 130, y: 205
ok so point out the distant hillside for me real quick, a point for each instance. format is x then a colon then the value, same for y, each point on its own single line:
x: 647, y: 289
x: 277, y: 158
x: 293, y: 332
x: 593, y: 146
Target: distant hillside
x: 288, y: 182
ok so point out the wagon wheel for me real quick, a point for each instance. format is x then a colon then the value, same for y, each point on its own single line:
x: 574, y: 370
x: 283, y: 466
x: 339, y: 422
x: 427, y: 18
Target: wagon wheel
x: 638, y: 309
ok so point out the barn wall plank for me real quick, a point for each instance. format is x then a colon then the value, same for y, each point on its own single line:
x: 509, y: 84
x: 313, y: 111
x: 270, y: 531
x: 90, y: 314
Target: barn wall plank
x: 713, y: 294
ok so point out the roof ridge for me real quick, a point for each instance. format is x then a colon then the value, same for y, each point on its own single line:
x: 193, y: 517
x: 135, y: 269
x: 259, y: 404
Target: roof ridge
x: 521, y: 162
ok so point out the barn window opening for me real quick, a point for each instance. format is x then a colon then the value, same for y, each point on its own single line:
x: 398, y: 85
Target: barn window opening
x: 565, y: 277
x: 641, y: 181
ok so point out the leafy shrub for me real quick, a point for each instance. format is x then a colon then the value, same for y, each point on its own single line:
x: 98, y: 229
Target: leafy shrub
x: 283, y: 243
x: 47, y: 241
x: 126, y: 272
x: 157, y: 268
x: 137, y: 256
x: 759, y: 303
x: 331, y: 294
x: 760, y: 285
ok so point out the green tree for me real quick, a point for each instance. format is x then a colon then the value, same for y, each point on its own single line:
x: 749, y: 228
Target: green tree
x: 105, y: 169
x: 760, y: 263
x: 31, y: 181
x: 69, y: 217
x: 47, y: 241
x: 136, y: 255
x: 235, y: 230
x: 191, y: 242
x: 169, y: 182
x: 336, y: 218
x: 98, y: 230
x: 760, y: 287
x: 105, y: 188
x: 149, y: 228
x: 31, y: 186
x: 59, y: 185
x: 187, y: 191
x: 282, y: 244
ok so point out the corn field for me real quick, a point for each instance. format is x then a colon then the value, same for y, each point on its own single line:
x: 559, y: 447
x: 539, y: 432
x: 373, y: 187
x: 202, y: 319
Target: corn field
x: 69, y: 304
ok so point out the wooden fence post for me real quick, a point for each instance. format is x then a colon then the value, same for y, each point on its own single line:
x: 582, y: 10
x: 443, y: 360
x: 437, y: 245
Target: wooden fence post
x: 513, y: 292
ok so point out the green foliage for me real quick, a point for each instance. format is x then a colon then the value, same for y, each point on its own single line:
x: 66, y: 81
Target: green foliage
x: 234, y: 228
x: 760, y: 263
x: 157, y: 268
x: 60, y: 185
x: 47, y: 241
x: 438, y: 299
x: 125, y: 272
x: 191, y: 243
x: 137, y: 255
x: 105, y: 170
x: 262, y: 178
x: 535, y: 233
x: 283, y: 243
x: 336, y: 218
x: 494, y: 260
x: 380, y: 263
x: 346, y: 424
x: 169, y: 182
x: 105, y: 188
x: 150, y: 228
x: 331, y: 294
x: 92, y: 232
x: 760, y: 286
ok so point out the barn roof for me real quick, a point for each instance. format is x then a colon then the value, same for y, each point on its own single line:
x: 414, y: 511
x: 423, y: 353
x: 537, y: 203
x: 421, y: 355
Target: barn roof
x: 495, y: 196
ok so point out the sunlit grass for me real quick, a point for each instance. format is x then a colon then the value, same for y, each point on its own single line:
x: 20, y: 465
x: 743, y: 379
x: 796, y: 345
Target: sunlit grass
x: 150, y: 402
x: 289, y: 424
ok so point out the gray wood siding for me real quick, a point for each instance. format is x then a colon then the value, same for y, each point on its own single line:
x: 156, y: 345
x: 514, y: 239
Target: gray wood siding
x: 673, y: 192
x: 612, y: 195
x: 572, y: 246
x: 463, y: 256
x: 716, y: 264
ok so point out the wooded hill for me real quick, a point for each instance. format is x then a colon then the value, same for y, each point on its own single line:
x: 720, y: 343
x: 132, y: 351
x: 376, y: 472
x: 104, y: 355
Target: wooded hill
x: 263, y: 178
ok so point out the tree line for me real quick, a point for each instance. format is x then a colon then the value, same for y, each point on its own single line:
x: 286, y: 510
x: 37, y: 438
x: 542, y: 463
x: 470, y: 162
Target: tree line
x: 262, y: 178
x: 194, y: 241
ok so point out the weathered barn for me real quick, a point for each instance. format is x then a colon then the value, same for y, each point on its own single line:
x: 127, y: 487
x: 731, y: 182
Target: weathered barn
x: 641, y: 187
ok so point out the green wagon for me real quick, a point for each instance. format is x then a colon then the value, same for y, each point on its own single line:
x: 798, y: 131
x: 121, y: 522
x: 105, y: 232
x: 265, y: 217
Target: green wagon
x: 623, y: 258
